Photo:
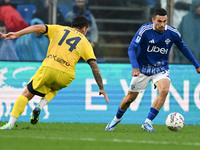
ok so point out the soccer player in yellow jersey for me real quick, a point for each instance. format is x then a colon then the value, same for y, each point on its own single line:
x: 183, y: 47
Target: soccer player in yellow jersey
x: 67, y: 45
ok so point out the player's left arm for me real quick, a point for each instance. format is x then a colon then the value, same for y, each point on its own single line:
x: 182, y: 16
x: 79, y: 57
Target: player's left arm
x: 30, y: 29
x: 89, y: 57
x: 98, y: 78
x: 186, y: 52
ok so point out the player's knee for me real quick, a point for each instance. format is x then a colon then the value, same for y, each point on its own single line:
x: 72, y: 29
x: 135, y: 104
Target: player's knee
x: 164, y: 91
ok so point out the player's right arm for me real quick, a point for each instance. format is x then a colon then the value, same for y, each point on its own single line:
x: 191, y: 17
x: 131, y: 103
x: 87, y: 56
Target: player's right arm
x: 133, y: 60
x: 132, y: 53
x: 135, y: 72
x: 30, y: 29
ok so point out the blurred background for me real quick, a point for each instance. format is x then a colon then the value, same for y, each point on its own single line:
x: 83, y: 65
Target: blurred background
x: 113, y: 24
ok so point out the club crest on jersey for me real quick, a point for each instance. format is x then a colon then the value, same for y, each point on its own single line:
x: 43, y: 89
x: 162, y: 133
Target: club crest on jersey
x: 167, y: 41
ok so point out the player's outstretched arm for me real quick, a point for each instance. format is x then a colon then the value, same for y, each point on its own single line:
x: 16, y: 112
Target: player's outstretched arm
x: 98, y: 78
x: 30, y: 29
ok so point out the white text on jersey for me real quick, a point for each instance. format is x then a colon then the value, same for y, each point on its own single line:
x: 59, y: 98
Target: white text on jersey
x: 157, y: 49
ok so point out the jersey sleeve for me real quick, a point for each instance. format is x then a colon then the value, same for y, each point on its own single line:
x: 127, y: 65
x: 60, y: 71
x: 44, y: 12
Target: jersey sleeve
x: 133, y: 48
x: 50, y: 30
x: 185, y: 50
x: 87, y: 53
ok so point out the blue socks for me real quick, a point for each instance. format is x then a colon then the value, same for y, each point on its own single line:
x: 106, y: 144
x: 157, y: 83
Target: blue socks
x: 152, y: 113
x: 120, y: 113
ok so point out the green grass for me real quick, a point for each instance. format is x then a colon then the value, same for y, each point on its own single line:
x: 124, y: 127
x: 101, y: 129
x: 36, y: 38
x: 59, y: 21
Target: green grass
x: 66, y: 136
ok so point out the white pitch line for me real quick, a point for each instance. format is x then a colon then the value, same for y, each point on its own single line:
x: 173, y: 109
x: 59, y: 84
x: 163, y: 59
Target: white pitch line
x: 105, y: 140
x: 157, y: 142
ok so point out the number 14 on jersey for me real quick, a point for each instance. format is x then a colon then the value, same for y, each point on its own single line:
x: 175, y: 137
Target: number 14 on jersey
x: 72, y: 42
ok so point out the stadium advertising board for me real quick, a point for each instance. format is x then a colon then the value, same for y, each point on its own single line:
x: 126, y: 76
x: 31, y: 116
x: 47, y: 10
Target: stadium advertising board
x: 81, y: 103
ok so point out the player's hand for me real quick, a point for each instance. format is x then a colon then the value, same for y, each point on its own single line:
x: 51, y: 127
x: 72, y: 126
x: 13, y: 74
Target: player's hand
x: 1, y: 35
x: 104, y: 94
x: 198, y: 70
x: 135, y: 72
x: 9, y: 36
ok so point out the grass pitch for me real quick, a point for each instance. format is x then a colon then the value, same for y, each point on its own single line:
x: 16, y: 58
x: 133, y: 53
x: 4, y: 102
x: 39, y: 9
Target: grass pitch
x: 68, y: 136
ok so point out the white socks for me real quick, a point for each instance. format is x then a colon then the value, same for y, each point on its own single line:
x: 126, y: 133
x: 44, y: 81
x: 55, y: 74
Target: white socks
x: 147, y: 120
x: 117, y: 119
x: 42, y: 103
x: 12, y: 121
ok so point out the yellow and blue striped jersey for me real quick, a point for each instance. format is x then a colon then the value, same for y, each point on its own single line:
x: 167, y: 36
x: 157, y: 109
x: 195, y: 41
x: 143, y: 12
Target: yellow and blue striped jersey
x: 66, y: 47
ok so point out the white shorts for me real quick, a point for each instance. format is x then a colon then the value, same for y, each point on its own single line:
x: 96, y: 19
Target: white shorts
x: 139, y: 83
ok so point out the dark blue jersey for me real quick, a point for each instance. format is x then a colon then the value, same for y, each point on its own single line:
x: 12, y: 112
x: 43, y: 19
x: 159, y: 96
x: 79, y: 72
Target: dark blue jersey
x: 153, y: 49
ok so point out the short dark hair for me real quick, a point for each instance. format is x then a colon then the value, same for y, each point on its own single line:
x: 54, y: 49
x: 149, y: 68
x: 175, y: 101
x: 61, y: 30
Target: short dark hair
x: 160, y: 12
x: 80, y: 22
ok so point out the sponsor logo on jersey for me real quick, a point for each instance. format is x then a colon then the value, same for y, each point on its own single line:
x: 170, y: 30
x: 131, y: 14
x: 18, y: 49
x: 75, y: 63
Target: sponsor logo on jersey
x: 56, y: 58
x: 152, y: 41
x: 156, y: 49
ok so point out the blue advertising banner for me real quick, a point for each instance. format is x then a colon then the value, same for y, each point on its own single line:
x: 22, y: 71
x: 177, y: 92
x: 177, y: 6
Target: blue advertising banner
x: 81, y: 103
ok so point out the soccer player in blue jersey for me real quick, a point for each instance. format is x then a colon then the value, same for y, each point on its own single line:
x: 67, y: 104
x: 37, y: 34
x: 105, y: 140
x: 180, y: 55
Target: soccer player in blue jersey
x: 152, y: 42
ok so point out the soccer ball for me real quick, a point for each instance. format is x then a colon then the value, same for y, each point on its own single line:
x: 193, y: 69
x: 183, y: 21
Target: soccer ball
x: 174, y: 121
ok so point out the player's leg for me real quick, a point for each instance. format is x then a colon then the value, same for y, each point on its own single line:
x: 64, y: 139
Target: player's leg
x: 44, y: 101
x: 54, y: 81
x: 18, y: 108
x: 163, y: 86
x: 57, y: 85
x: 163, y: 89
x: 126, y: 101
x: 138, y: 84
x: 162, y: 82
